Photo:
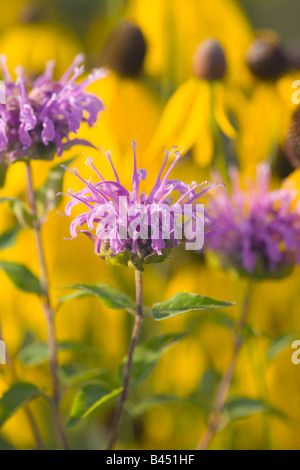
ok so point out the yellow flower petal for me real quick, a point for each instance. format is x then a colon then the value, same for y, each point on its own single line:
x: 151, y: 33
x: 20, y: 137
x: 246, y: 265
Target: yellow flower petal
x: 220, y: 113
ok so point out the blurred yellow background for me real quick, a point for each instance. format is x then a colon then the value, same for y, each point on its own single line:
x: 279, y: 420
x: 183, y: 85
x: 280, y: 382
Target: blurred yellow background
x: 32, y: 33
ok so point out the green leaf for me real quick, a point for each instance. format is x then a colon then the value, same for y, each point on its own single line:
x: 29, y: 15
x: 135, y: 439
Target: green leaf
x: 88, y: 399
x: 203, y: 398
x: 21, y: 277
x: 19, y: 209
x: 147, y: 355
x: 4, y: 445
x: 8, y: 239
x: 46, y: 195
x: 36, y: 353
x: 72, y: 374
x: 238, y: 408
x: 6, y: 199
x: 184, y: 302
x: 280, y: 344
x: 74, y: 295
x: 110, y: 296
x: 150, y: 402
x: 21, y: 212
x: 23, y: 215
x: 17, y: 396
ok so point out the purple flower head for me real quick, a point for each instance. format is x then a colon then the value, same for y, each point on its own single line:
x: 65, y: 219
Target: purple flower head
x: 256, y: 231
x: 39, y: 115
x: 131, y: 227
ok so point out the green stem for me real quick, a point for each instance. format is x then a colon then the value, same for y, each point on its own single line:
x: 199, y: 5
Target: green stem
x: 215, y: 418
x: 134, y: 337
x: 48, y: 312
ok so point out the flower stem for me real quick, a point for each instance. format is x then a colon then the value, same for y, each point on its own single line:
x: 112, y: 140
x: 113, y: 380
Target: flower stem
x: 215, y: 418
x: 48, y: 312
x: 134, y: 337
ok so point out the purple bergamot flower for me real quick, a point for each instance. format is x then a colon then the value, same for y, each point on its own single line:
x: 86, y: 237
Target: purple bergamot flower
x: 131, y: 227
x: 256, y: 231
x: 39, y: 115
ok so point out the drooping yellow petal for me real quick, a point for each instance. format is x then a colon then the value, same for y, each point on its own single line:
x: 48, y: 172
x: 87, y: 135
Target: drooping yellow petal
x: 262, y: 125
x: 195, y: 125
x: 220, y: 112
x: 182, y: 110
x: 203, y: 149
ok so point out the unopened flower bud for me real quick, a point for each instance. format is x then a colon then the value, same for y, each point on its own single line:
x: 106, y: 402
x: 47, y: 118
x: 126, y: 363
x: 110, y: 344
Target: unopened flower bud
x: 209, y: 60
x: 125, y: 49
x: 266, y: 58
x: 292, y: 143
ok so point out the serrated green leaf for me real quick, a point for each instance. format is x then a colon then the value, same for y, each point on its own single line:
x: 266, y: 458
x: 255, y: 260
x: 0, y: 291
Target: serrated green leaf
x: 46, y: 195
x: 36, y: 353
x: 109, y: 295
x: 147, y: 355
x: 184, y: 302
x: 88, y: 399
x: 16, y: 396
x: 9, y: 238
x: 21, y: 277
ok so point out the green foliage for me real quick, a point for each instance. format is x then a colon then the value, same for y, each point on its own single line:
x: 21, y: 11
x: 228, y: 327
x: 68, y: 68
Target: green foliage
x: 110, y: 296
x: 21, y: 277
x: 150, y: 402
x: 184, y: 302
x: 8, y: 238
x: 37, y: 353
x: 72, y: 374
x: 146, y: 357
x: 88, y: 399
x: 242, y: 407
x: 16, y: 396
x: 280, y: 344
x: 20, y: 210
x: 46, y: 195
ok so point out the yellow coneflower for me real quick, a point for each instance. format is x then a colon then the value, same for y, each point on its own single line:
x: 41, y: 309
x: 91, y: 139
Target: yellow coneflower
x: 199, y: 110
x: 132, y: 108
x: 174, y: 28
x: 267, y: 112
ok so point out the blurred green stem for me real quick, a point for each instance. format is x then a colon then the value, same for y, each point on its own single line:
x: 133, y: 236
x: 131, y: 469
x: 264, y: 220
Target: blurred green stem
x: 48, y: 311
x: 215, y: 418
x: 134, y: 337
